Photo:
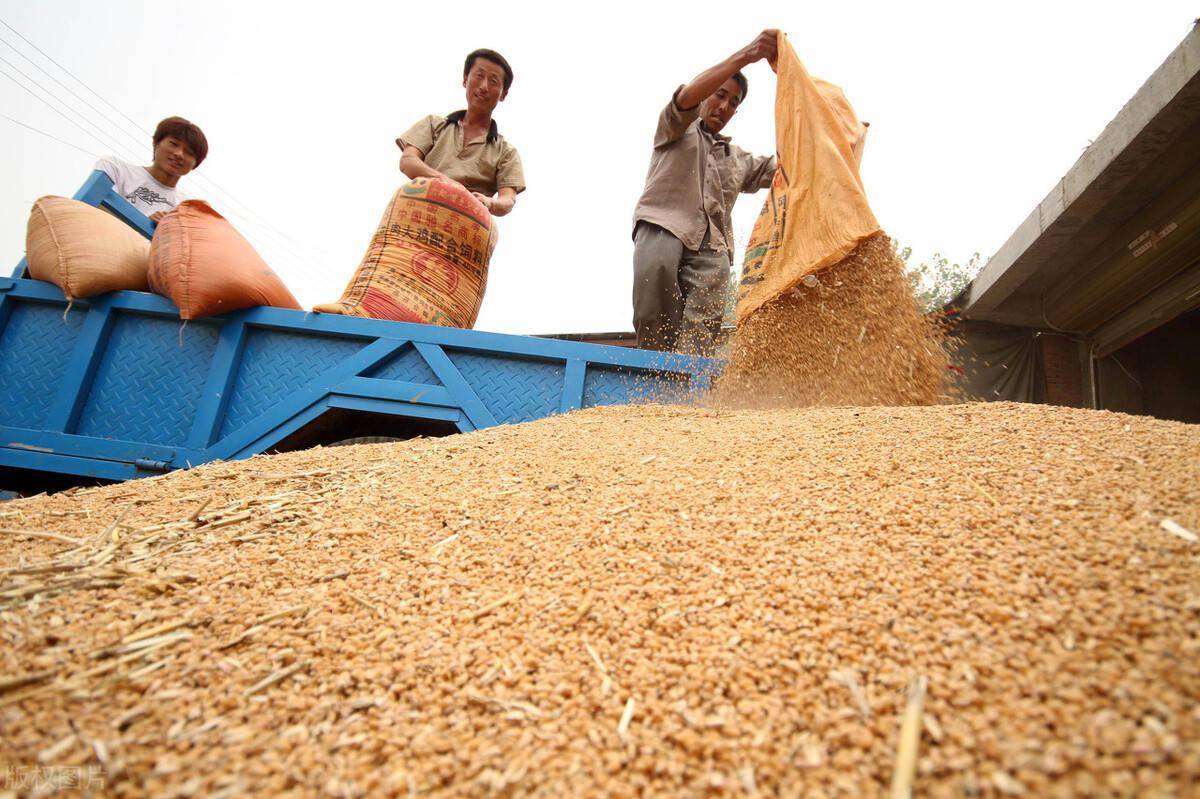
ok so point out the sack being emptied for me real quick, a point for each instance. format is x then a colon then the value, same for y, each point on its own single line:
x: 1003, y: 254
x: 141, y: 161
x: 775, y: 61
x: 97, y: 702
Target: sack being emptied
x: 825, y: 315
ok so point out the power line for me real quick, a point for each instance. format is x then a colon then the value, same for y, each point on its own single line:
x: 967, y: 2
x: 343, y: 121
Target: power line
x: 250, y: 216
x: 310, y: 268
x: 85, y: 152
x: 111, y: 144
x: 48, y: 135
x: 53, y: 108
x: 50, y: 58
x: 249, y: 213
x: 71, y: 91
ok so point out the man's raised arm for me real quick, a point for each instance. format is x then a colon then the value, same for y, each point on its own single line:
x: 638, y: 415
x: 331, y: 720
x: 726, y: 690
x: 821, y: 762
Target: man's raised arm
x: 711, y: 79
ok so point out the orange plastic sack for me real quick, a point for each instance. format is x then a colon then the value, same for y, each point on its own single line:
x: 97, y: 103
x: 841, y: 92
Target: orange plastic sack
x: 428, y: 260
x: 816, y: 211
x: 83, y: 250
x: 202, y: 264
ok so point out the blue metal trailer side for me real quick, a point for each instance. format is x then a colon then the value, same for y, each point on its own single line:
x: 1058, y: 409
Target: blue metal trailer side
x: 117, y: 387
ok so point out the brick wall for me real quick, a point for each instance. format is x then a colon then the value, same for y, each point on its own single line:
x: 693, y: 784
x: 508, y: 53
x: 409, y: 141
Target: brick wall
x: 1063, y: 370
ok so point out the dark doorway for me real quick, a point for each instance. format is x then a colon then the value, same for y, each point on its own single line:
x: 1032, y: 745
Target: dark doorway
x: 1158, y: 374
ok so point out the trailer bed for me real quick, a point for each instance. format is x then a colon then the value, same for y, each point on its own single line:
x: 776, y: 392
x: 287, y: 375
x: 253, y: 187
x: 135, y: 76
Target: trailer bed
x: 117, y: 386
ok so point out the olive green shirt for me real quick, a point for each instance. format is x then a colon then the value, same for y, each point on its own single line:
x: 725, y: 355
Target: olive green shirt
x: 695, y: 177
x: 481, y: 165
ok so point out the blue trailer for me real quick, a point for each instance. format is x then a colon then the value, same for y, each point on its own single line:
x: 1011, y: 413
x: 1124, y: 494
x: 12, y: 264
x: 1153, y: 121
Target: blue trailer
x: 117, y: 386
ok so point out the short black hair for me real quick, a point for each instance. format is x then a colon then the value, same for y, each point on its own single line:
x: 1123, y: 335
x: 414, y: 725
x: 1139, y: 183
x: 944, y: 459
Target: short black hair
x: 743, y: 84
x: 495, y: 58
x: 185, y: 131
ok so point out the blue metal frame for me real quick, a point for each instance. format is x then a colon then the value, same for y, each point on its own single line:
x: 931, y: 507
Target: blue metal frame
x: 231, y: 386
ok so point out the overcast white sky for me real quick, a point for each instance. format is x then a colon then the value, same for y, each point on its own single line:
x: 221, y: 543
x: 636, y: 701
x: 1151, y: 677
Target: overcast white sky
x: 975, y: 111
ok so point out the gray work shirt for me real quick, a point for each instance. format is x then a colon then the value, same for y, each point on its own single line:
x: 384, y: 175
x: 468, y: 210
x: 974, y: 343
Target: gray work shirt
x: 694, y: 179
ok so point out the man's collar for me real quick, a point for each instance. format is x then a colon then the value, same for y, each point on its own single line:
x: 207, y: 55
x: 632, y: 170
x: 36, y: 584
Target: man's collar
x: 457, y: 118
x: 720, y: 137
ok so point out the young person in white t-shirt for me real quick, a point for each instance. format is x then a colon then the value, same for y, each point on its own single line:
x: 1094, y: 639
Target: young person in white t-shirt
x: 179, y: 147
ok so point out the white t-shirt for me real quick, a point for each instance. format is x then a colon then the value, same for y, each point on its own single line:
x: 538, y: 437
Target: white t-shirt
x: 136, y: 184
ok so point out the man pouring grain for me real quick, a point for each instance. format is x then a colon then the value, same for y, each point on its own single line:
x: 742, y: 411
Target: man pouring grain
x: 682, y: 230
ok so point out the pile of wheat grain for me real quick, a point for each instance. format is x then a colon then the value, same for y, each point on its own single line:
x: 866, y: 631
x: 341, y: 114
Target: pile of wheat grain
x: 850, y: 335
x: 638, y: 600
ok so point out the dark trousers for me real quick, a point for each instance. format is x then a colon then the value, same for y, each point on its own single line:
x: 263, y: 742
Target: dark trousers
x: 678, y: 294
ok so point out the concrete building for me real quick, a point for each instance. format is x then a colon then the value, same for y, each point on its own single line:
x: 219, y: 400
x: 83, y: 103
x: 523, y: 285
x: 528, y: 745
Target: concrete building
x: 1094, y: 300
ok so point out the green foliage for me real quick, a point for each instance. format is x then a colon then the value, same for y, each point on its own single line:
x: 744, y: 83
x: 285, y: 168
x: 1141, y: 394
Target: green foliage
x: 937, y: 281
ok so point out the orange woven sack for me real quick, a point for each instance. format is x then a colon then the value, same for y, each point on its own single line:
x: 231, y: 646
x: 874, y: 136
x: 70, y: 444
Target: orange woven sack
x: 202, y: 264
x: 428, y: 260
x: 83, y: 250
x: 816, y: 212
